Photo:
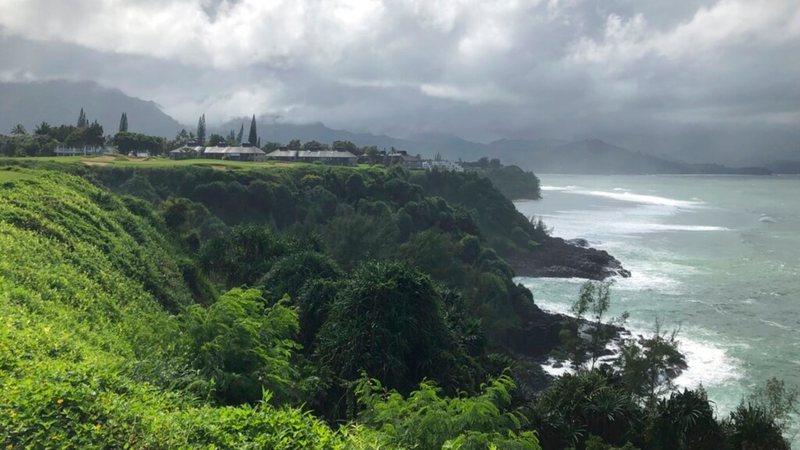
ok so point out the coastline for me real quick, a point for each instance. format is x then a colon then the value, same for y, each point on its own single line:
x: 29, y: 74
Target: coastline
x: 559, y: 258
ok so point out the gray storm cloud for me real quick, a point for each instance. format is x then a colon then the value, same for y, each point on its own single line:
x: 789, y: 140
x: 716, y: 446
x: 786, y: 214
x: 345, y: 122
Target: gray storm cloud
x: 695, y: 73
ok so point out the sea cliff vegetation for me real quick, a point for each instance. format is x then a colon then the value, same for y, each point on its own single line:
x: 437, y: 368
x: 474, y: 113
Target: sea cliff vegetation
x: 302, y: 306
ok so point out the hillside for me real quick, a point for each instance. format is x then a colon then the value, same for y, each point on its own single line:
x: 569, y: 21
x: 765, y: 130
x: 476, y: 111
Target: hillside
x: 88, y: 346
x: 59, y: 102
x: 299, y: 306
x: 125, y: 340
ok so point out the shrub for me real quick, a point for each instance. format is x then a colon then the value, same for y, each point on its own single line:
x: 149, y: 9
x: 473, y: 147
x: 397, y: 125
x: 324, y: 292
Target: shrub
x: 426, y: 420
x: 244, y: 346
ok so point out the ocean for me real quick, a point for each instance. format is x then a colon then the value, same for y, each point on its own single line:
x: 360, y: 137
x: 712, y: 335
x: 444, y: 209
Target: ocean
x: 716, y: 256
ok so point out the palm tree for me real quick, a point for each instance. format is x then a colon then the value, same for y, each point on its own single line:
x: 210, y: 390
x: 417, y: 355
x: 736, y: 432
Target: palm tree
x: 19, y: 130
x: 685, y: 421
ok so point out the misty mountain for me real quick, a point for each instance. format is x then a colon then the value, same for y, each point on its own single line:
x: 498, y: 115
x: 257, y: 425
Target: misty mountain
x: 271, y: 131
x: 591, y: 156
x: 59, y: 102
x: 594, y: 156
x: 784, y: 166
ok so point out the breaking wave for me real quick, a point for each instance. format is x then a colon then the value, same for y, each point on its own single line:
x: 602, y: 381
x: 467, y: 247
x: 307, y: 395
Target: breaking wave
x: 640, y: 198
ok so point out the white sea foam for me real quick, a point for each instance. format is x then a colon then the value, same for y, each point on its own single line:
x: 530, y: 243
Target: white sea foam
x: 641, y: 198
x: 641, y: 280
x: 550, y: 368
x: 766, y: 219
x: 557, y: 188
x: 775, y: 324
x: 709, y: 365
x: 673, y: 227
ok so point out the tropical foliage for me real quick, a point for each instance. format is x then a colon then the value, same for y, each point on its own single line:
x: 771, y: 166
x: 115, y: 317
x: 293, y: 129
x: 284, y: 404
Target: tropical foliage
x: 149, y: 308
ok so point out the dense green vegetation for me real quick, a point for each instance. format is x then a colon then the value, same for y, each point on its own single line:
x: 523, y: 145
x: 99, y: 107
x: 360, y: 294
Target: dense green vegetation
x: 512, y: 181
x: 305, y: 307
x: 115, y: 336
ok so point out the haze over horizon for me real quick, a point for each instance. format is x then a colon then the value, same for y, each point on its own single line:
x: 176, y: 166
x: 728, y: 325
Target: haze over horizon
x: 702, y: 79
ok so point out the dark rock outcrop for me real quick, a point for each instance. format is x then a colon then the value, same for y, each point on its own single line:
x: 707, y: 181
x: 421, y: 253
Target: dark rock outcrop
x: 558, y: 258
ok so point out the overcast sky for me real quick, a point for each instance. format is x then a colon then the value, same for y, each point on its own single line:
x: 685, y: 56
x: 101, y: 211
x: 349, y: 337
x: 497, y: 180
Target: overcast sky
x: 629, y: 70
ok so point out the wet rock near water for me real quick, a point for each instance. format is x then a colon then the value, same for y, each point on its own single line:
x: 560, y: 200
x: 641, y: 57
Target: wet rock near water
x: 558, y: 258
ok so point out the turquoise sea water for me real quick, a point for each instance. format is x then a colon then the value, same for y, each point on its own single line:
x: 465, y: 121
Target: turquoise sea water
x: 718, y: 256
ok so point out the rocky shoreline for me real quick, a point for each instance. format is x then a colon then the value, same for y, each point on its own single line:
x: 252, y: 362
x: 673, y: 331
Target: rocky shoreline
x: 559, y: 258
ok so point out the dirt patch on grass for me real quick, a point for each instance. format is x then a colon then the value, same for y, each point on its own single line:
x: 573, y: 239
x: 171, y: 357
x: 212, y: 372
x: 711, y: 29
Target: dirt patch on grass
x: 105, y: 158
x: 219, y: 167
x: 95, y: 163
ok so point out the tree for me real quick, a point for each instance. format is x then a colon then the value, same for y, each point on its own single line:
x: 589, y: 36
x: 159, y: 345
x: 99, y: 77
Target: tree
x: 294, y: 144
x: 372, y: 154
x: 427, y: 420
x: 123, y: 122
x: 127, y: 142
x: 594, y: 299
x: 649, y: 366
x: 19, y: 130
x: 43, y: 129
x: 313, y: 146
x: 288, y: 275
x: 201, y: 129
x: 242, y: 255
x: 587, y: 402
x: 781, y: 403
x: 93, y: 135
x: 75, y: 139
x: 353, y: 238
x: 182, y: 138
x: 355, y: 187
x: 388, y: 321
x: 271, y: 146
x: 685, y: 421
x: 344, y: 146
x: 240, y: 135
x: 253, y: 135
x: 244, y: 345
x: 216, y: 139
x: 751, y: 427
x: 82, y: 122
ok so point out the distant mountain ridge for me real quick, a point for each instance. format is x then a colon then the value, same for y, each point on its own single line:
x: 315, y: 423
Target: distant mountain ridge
x: 59, y: 102
x: 594, y: 156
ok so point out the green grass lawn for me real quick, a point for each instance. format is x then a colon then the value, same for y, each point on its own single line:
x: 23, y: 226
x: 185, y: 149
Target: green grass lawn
x: 8, y: 175
x: 160, y: 162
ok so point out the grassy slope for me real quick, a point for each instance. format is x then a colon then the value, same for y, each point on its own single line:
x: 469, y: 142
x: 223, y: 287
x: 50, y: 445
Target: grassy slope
x: 123, y: 161
x: 85, y: 337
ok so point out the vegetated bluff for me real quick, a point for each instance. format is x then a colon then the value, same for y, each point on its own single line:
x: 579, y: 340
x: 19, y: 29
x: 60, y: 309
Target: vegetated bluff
x: 116, y: 332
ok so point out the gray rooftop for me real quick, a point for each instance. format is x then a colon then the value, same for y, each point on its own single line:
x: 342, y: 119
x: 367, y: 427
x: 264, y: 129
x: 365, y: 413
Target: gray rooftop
x: 309, y: 154
x: 234, y: 150
x: 283, y: 154
x: 324, y: 154
x: 187, y: 149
